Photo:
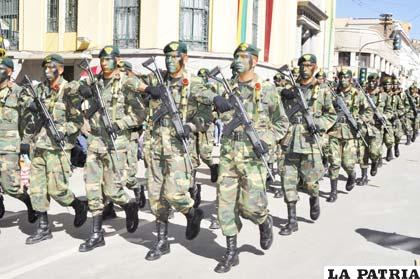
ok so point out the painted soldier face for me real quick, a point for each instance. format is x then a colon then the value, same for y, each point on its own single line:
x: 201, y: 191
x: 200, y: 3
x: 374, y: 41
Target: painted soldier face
x: 344, y: 81
x: 174, y: 61
x: 242, y: 62
x: 372, y: 84
x: 387, y: 87
x: 307, y: 70
x: 52, y: 71
x: 108, y: 64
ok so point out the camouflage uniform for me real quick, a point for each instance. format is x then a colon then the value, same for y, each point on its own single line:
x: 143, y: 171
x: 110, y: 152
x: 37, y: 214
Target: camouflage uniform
x: 343, y: 141
x: 103, y: 171
x: 396, y: 120
x: 50, y: 170
x: 241, y: 185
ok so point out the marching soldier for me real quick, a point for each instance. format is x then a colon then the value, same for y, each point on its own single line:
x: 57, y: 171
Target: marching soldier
x: 169, y: 174
x: 415, y: 97
x: 303, y: 162
x: 343, y: 139
x: 105, y: 162
x: 241, y: 184
x: 407, y: 114
x: 12, y: 106
x: 396, y: 118
x: 373, y: 132
x: 50, y: 169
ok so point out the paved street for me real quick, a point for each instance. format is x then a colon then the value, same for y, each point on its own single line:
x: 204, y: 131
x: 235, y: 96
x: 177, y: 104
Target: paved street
x: 372, y: 225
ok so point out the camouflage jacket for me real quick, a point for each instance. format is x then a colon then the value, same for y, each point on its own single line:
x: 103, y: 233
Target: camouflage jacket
x: 397, y: 106
x: 125, y: 110
x: 188, y: 92
x: 265, y: 109
x: 383, y: 104
x: 319, y: 100
x: 360, y: 110
x: 63, y: 105
x: 11, y: 118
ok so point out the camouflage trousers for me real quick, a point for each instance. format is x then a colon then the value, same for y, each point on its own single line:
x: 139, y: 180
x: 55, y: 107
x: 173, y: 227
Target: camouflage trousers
x: 240, y: 192
x: 398, y: 130
x: 388, y: 137
x: 343, y: 154
x: 203, y: 147
x: 168, y: 181
x: 407, y: 125
x: 304, y: 169
x: 103, y: 178
x: 10, y: 174
x: 131, y: 167
x: 50, y: 173
x: 372, y: 152
x: 325, y: 139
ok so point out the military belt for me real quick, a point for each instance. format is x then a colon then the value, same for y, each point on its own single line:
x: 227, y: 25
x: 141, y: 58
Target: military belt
x: 341, y: 120
x: 238, y: 136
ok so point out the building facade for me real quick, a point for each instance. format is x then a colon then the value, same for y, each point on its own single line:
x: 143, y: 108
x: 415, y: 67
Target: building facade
x: 283, y: 30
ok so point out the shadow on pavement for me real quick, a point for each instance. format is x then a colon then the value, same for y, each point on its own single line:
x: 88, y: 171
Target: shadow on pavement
x: 391, y: 240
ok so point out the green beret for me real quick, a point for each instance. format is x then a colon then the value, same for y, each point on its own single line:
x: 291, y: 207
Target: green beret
x: 295, y: 70
x: 251, y: 49
x: 395, y: 81
x: 53, y: 58
x: 125, y: 65
x: 180, y: 47
x: 345, y: 72
x: 386, y: 80
x: 373, y: 76
x: 110, y: 50
x: 6, y: 61
x: 307, y: 58
x: 203, y: 72
x: 321, y: 74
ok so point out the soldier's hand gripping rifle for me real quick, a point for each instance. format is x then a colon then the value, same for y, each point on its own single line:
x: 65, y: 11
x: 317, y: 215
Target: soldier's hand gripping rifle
x: 46, y: 119
x: 412, y: 104
x: 241, y: 118
x: 343, y: 107
x: 307, y: 114
x: 100, y: 105
x: 376, y: 112
x: 168, y: 107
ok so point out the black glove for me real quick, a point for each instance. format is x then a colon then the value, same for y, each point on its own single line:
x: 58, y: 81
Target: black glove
x: 25, y: 148
x: 155, y: 92
x: 393, y: 118
x: 187, y: 131
x: 85, y: 91
x: 221, y: 104
x: 59, y: 138
x: 114, y: 129
x: 261, y: 150
x: 313, y: 129
x: 33, y: 107
x: 288, y: 93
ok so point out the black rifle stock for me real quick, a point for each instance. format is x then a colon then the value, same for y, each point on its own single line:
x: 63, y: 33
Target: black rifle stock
x: 241, y: 118
x: 46, y: 118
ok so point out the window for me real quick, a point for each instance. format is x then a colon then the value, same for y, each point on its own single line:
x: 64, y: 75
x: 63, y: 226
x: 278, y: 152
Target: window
x: 52, y: 16
x: 71, y: 15
x: 194, y: 24
x: 364, y: 60
x: 344, y: 59
x: 9, y: 22
x: 126, y: 23
x: 255, y: 23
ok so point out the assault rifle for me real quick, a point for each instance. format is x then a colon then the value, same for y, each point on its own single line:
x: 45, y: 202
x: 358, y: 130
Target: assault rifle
x: 100, y: 105
x: 168, y: 107
x: 46, y: 119
x: 241, y: 118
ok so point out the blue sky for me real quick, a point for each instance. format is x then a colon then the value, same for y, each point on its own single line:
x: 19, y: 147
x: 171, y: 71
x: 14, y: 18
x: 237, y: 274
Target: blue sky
x: 404, y: 10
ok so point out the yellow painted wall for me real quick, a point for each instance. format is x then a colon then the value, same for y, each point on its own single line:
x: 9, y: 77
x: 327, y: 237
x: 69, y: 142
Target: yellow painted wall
x: 159, y: 23
x: 96, y: 21
x: 33, y: 25
x: 51, y: 42
x: 69, y: 41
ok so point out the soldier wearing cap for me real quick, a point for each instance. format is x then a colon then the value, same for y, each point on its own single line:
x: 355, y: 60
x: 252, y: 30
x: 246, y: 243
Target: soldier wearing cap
x: 415, y: 97
x: 12, y: 104
x: 105, y: 162
x: 321, y: 77
x: 50, y: 170
x: 343, y: 139
x: 303, y: 162
x: 391, y: 87
x: 169, y: 172
x: 405, y: 117
x: 241, y: 184
x: 373, y: 133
